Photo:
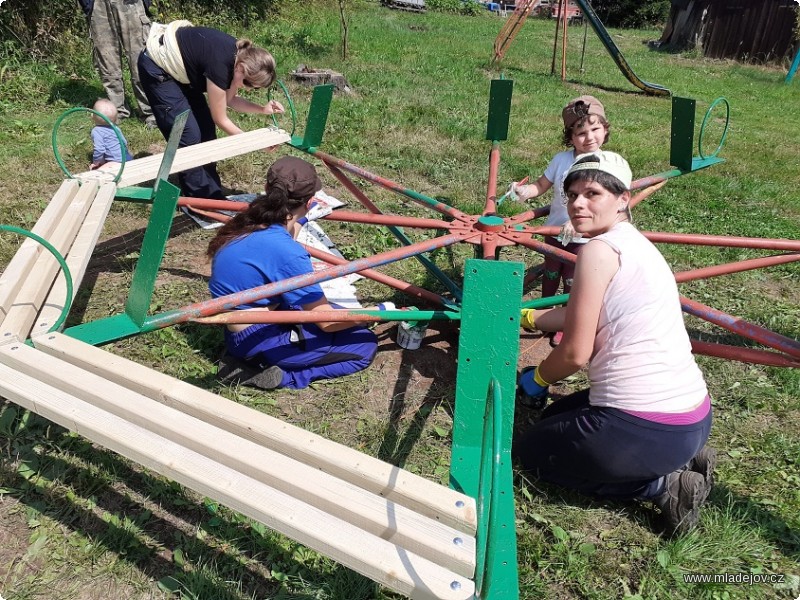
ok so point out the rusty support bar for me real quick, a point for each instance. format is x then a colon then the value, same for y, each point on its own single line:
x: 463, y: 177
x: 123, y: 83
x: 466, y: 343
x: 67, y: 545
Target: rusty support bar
x: 422, y: 199
x: 699, y: 239
x: 741, y: 327
x: 384, y: 219
x: 210, y: 204
x: 326, y: 316
x: 735, y: 267
x: 746, y: 355
x: 491, y: 191
x: 231, y: 301
x: 407, y: 288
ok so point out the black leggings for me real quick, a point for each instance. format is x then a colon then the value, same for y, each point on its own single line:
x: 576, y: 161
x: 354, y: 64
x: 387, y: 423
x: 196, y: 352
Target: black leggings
x: 604, y: 451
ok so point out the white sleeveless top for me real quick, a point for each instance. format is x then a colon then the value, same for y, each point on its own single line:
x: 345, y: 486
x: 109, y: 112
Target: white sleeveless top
x: 642, y: 358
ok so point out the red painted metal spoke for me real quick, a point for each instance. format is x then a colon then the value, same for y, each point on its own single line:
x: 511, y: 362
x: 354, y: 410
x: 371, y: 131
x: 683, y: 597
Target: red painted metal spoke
x: 735, y: 267
x: 723, y: 241
x: 390, y: 185
x: 407, y: 288
x: 386, y: 219
x: 741, y: 327
x: 231, y: 301
x: 748, y: 355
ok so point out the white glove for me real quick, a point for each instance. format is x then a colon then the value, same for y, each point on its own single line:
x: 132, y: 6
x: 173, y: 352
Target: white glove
x: 513, y: 193
x: 567, y: 235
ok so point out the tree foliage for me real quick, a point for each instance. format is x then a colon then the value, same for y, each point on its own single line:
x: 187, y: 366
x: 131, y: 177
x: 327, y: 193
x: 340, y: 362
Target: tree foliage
x: 632, y: 13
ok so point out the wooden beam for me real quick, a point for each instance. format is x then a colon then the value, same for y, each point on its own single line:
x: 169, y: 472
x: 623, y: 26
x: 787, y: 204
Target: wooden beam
x: 22, y: 262
x: 145, y: 169
x: 383, y: 518
x: 78, y: 257
x: 382, y: 561
x: 410, y: 490
x: 26, y: 304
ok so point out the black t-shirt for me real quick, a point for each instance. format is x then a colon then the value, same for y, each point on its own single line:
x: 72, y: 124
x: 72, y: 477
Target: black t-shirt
x: 207, y: 54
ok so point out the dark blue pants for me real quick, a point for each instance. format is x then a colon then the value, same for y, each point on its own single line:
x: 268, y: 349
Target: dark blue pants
x: 304, y: 352
x: 169, y: 98
x: 604, y: 451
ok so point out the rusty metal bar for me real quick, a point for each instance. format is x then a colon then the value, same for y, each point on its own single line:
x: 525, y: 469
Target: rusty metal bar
x: 407, y: 288
x: 746, y: 355
x: 491, y: 191
x: 326, y: 316
x: 735, y: 267
x: 741, y: 327
x: 384, y: 219
x: 210, y: 204
x: 724, y: 241
x: 390, y: 185
x: 231, y: 301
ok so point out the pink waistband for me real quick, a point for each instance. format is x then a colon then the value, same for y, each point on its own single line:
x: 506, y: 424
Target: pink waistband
x: 685, y: 418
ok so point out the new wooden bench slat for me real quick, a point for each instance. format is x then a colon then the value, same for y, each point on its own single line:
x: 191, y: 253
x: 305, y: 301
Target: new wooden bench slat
x: 378, y: 559
x: 366, y: 510
x: 412, y: 491
x: 78, y: 257
x: 145, y: 169
x: 37, y: 283
x: 21, y: 264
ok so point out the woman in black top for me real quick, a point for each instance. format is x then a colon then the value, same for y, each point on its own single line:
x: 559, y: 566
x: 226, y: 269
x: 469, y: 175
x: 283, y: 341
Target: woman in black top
x: 183, y: 64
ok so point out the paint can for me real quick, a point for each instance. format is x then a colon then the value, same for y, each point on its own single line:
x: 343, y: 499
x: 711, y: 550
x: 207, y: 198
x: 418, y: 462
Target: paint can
x: 411, y: 333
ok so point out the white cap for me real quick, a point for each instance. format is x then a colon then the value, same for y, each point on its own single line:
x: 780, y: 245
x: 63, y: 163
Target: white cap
x: 608, y: 162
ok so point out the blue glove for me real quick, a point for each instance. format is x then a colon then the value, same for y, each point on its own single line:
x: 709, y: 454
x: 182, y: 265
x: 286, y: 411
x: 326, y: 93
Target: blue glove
x: 529, y: 392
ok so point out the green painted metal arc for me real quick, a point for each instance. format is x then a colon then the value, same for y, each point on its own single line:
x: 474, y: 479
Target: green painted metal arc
x: 724, y: 131
x: 490, y: 491
x: 289, y: 102
x: 63, y: 263
x: 54, y: 139
x: 602, y: 33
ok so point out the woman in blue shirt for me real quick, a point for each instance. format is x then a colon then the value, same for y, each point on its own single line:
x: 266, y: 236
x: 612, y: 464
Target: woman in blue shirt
x: 255, y: 248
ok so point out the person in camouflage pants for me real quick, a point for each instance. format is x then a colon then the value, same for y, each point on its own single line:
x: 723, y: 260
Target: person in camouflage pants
x: 114, y: 26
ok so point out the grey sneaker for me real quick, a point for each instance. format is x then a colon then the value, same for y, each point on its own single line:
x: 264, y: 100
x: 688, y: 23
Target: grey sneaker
x: 704, y: 463
x: 235, y: 371
x: 150, y: 122
x: 681, y: 500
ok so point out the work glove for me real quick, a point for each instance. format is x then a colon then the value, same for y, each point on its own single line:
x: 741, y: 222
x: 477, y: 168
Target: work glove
x: 526, y: 320
x: 532, y: 391
x: 512, y: 192
x: 568, y: 234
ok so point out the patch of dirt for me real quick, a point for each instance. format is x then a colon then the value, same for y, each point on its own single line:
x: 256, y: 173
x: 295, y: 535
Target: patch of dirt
x: 14, y: 534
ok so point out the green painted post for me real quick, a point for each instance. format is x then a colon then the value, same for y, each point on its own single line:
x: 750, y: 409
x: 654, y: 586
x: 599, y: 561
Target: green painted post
x: 154, y: 243
x: 492, y: 296
x: 682, y: 133
x: 317, y: 118
x: 499, y: 109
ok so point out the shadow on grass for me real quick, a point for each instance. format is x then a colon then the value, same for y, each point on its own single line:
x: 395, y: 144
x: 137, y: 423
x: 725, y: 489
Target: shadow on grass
x: 127, y: 527
x: 76, y: 92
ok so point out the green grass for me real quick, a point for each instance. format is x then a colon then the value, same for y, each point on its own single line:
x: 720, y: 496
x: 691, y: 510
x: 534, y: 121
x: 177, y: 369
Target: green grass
x: 88, y: 524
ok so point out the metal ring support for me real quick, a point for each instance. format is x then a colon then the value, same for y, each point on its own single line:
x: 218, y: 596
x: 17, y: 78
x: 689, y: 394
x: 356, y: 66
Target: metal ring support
x: 102, y: 116
x: 67, y: 275
x: 724, y: 131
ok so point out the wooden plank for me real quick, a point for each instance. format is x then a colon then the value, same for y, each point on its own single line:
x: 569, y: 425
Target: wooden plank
x: 424, y: 536
x: 26, y: 304
x: 382, y: 561
x: 145, y: 169
x: 415, y: 492
x: 22, y: 262
x: 78, y: 258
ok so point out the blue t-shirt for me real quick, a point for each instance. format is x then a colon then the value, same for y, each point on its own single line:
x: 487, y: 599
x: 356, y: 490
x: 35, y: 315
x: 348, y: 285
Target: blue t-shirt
x: 262, y: 257
x: 106, y: 145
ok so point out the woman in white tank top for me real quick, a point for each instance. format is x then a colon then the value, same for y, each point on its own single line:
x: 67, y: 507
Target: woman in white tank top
x: 641, y: 428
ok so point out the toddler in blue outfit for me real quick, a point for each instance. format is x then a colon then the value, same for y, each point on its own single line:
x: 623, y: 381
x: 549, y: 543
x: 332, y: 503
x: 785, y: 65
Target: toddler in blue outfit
x: 107, y: 151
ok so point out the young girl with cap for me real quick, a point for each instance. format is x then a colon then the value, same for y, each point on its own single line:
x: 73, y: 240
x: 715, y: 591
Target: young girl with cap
x: 585, y: 130
x: 181, y: 66
x: 640, y: 429
x: 255, y: 248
